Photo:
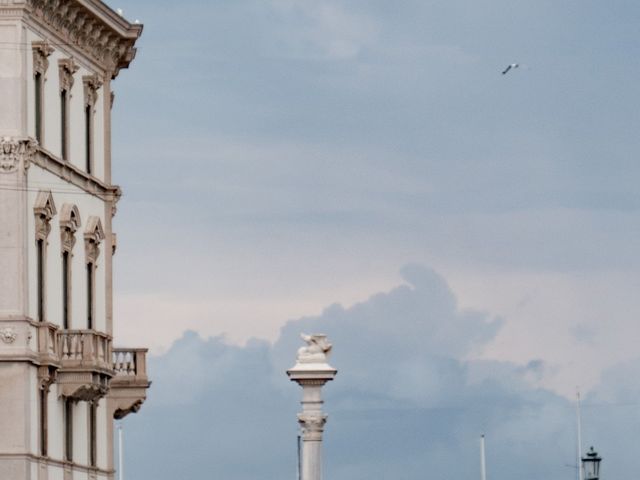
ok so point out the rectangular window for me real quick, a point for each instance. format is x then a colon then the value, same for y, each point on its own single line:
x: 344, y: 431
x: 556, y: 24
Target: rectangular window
x: 90, y: 288
x: 93, y: 414
x: 68, y: 429
x: 44, y: 420
x: 40, y: 266
x: 38, y: 86
x: 66, y: 294
x: 88, y: 137
x: 64, y: 131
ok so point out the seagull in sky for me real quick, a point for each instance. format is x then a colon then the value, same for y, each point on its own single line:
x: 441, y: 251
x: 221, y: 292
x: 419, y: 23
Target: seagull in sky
x: 509, y: 67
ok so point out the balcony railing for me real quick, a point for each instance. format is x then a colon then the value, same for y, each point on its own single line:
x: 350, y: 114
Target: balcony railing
x: 86, y: 368
x: 85, y: 348
x: 48, y: 343
x: 130, y: 362
x: 129, y: 385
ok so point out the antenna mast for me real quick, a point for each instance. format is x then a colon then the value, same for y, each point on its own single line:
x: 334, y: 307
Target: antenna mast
x: 579, y: 439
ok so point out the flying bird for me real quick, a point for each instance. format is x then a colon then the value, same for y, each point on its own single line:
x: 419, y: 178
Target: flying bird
x: 509, y: 67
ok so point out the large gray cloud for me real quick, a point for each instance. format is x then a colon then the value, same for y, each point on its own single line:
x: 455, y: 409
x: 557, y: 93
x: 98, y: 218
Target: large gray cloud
x: 405, y: 402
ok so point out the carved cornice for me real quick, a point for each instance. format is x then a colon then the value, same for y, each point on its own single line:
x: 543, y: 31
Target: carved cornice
x: 67, y: 68
x: 91, y: 85
x: 14, y: 152
x: 93, y: 28
x: 44, y: 210
x: 93, y: 235
x: 41, y: 50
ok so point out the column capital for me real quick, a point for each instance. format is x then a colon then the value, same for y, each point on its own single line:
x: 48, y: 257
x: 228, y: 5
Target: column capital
x: 312, y: 426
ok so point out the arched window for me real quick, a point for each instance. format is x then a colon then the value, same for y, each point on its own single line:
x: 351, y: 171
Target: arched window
x: 91, y: 85
x: 93, y: 235
x: 69, y: 224
x: 67, y: 68
x: 41, y: 50
x: 44, y: 210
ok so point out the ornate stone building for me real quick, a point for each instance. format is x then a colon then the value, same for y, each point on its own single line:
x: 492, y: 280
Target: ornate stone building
x: 62, y: 382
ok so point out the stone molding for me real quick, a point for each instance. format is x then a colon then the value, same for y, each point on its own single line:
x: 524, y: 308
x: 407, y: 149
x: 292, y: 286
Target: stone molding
x: 76, y: 176
x: 67, y: 68
x: 44, y: 210
x: 69, y: 224
x: 93, y: 28
x: 93, y: 235
x: 41, y: 52
x: 16, y: 151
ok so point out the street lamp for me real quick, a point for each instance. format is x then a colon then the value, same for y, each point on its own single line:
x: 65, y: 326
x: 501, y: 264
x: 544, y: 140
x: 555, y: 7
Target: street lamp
x: 591, y: 465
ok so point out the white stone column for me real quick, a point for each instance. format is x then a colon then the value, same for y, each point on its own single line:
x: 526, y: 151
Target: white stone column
x: 311, y: 372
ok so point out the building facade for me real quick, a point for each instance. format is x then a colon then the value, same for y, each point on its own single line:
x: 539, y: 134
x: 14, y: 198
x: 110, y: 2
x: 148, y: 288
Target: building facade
x: 62, y: 383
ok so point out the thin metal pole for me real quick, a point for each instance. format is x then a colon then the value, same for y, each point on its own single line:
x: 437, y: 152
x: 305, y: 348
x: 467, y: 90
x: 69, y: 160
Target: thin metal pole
x: 120, y: 449
x: 579, y: 439
x: 299, y: 461
x: 483, y: 463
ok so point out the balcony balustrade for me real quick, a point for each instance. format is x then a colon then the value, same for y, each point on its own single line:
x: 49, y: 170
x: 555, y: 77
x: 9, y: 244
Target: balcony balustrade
x: 86, y: 368
x: 48, y: 353
x: 130, y: 383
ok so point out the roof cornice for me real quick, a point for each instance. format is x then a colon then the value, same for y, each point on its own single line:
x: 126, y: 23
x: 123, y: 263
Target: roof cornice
x: 92, y: 27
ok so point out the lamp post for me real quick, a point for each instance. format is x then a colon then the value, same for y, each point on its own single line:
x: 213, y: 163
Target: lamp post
x: 311, y: 372
x: 591, y: 465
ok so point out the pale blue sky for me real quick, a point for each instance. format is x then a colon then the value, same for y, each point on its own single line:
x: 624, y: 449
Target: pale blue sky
x: 280, y: 156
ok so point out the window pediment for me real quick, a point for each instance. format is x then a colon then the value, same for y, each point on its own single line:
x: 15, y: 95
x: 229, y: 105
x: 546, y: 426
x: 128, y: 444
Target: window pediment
x: 44, y: 210
x: 69, y: 224
x: 93, y: 235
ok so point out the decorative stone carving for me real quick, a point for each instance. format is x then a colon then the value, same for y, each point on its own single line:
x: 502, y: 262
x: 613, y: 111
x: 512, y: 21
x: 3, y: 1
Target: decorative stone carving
x: 316, y: 351
x: 46, y: 377
x: 44, y: 210
x: 91, y: 85
x: 14, y: 151
x: 69, y: 224
x: 99, y: 40
x: 8, y: 335
x: 93, y: 235
x: 312, y: 426
x: 120, y: 413
x: 67, y: 68
x: 41, y: 50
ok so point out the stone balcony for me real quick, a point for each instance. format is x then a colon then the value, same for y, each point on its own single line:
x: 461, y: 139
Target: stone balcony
x: 130, y: 383
x: 48, y: 339
x: 85, y: 364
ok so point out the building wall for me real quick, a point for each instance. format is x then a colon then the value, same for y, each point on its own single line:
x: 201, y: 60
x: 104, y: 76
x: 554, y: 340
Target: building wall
x: 20, y: 381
